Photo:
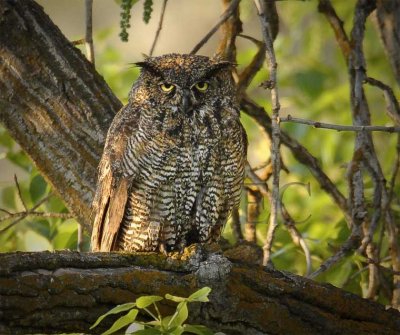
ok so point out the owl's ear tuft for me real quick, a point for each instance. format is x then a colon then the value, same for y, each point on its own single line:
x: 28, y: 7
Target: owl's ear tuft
x: 218, y: 66
x: 148, y: 66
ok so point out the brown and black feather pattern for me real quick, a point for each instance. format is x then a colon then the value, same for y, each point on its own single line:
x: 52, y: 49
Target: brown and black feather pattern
x: 173, y: 162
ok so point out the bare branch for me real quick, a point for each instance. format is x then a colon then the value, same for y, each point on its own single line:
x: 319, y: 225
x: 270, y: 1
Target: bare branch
x: 301, y: 154
x: 19, y: 192
x: 323, y: 125
x: 247, y: 75
x: 392, y: 105
x: 231, y: 28
x: 32, y: 212
x: 225, y: 16
x: 89, y: 31
x: 275, y: 154
x: 325, y: 7
x: 160, y: 24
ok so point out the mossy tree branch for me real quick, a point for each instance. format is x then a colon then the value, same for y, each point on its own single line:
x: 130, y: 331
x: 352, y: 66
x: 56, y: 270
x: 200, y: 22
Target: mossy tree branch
x: 66, y: 291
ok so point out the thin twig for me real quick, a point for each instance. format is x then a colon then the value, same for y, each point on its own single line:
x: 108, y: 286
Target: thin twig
x: 392, y: 105
x: 225, y: 16
x: 32, y: 211
x: 323, y: 125
x: 256, y: 180
x: 275, y: 154
x: 301, y: 154
x: 89, y: 31
x: 37, y: 214
x: 19, y: 192
x: 325, y: 7
x: 160, y: 24
x: 395, y: 170
x: 346, y: 248
x: 247, y: 75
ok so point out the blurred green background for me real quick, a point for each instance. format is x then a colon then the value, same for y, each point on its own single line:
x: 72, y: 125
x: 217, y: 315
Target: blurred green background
x: 313, y: 83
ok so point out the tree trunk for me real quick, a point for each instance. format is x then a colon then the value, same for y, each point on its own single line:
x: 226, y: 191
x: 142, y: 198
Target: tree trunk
x: 66, y: 291
x: 53, y: 102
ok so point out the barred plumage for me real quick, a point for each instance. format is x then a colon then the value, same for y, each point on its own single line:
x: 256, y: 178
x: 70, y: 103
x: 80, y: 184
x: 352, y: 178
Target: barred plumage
x: 173, y: 162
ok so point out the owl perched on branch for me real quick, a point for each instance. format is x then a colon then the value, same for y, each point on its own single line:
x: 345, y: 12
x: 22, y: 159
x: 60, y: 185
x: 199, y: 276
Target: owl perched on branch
x: 173, y: 162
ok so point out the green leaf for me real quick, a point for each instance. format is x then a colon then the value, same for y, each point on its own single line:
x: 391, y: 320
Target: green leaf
x: 37, y: 188
x: 200, y: 295
x: 177, y: 331
x: 134, y: 327
x: 122, y: 321
x: 115, y: 310
x: 143, y: 302
x: 41, y: 226
x: 179, y: 316
x: 197, y: 329
x: 149, y: 331
x: 174, y: 298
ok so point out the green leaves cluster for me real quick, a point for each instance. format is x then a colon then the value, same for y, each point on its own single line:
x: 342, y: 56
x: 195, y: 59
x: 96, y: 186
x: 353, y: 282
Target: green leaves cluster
x: 126, y: 7
x: 172, y: 324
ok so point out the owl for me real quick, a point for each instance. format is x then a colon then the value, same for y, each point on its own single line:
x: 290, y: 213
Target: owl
x: 173, y: 162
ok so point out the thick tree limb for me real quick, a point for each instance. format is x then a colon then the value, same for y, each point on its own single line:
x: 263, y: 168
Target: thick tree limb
x: 53, y: 102
x: 66, y: 291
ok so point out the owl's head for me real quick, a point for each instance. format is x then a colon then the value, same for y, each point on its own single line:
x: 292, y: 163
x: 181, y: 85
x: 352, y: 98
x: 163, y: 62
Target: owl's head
x: 185, y: 83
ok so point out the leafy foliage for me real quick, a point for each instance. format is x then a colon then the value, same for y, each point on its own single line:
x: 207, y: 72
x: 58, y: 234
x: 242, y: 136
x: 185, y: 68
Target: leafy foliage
x: 125, y: 22
x: 147, y: 10
x: 171, y: 324
x: 126, y: 6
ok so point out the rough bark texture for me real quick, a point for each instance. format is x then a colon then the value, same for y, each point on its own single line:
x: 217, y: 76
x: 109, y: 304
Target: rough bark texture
x: 67, y: 291
x: 53, y: 102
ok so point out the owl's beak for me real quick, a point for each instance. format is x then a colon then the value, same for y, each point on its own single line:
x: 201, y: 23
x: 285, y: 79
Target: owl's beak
x: 186, y: 101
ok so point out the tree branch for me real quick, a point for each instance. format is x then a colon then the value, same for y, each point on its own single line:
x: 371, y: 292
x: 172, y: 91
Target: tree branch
x: 317, y: 124
x: 225, y: 16
x: 160, y: 24
x: 266, y: 28
x: 53, y: 103
x: 244, y: 299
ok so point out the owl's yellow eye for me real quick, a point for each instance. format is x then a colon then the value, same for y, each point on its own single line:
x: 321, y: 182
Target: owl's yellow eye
x: 202, y: 86
x: 167, y: 87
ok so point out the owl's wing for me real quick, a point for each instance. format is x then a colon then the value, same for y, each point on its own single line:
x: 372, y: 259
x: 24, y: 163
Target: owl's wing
x: 112, y: 186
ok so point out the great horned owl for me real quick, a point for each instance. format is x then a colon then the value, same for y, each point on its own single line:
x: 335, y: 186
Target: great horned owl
x: 173, y: 162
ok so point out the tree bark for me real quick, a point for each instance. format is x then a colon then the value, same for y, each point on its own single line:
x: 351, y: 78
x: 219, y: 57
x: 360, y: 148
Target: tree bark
x: 53, y: 102
x: 66, y: 291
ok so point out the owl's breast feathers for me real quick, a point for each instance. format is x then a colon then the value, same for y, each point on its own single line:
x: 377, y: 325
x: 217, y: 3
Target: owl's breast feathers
x: 170, y: 175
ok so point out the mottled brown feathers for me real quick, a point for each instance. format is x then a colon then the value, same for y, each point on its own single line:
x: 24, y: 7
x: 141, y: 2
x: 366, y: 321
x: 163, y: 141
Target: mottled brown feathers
x: 173, y: 163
